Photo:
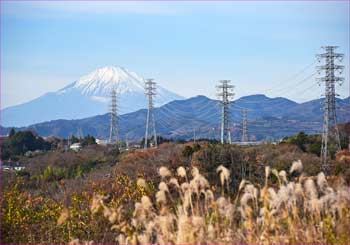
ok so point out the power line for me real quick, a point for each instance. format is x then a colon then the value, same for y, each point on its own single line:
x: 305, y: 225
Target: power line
x: 181, y: 115
x: 278, y: 86
x: 291, y: 90
x: 291, y: 78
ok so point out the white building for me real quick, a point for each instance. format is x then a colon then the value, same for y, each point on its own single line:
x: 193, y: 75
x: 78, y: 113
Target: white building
x: 101, y: 142
x: 75, y: 146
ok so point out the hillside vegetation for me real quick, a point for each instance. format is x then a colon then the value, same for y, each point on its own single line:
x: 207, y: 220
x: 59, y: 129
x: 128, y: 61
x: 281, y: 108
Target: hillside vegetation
x: 178, y: 193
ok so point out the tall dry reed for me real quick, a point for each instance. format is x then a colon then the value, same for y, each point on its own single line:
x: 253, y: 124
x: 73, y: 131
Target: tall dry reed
x: 186, y: 210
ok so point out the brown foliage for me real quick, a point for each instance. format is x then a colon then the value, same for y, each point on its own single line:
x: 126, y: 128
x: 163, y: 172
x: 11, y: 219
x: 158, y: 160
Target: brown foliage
x: 147, y: 162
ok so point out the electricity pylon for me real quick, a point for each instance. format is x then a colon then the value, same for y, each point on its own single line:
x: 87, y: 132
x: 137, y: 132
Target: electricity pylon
x: 330, y: 133
x: 113, y: 128
x: 226, y: 95
x: 150, y: 88
x: 244, y: 126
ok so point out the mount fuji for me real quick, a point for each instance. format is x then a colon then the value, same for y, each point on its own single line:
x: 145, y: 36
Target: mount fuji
x: 87, y: 96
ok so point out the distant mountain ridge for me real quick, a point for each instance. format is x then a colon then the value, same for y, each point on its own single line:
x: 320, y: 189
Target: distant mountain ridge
x: 87, y: 96
x: 268, y: 118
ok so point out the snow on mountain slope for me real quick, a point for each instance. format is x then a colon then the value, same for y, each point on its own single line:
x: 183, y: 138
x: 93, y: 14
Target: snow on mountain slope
x: 98, y: 86
x: 87, y: 96
x: 102, y: 81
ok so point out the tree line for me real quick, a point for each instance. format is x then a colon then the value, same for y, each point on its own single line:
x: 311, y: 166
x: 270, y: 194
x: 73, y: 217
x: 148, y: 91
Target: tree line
x: 20, y: 142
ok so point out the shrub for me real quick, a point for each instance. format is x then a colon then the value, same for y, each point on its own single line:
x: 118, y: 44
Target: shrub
x: 188, y: 211
x: 20, y: 142
x: 187, y: 151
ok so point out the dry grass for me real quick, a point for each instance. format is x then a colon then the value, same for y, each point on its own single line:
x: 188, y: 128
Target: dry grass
x: 187, y: 210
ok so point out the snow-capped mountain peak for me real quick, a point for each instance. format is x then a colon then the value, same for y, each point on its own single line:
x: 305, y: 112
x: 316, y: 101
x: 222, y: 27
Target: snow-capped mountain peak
x: 103, y: 80
x: 87, y: 96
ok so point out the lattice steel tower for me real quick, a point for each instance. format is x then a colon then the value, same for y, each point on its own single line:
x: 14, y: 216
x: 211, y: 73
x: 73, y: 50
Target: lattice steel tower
x: 330, y: 133
x: 150, y: 88
x: 226, y: 95
x: 244, y: 126
x: 113, y: 129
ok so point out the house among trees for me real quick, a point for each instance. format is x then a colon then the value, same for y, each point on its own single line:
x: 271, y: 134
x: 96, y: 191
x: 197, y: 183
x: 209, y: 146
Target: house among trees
x: 75, y: 147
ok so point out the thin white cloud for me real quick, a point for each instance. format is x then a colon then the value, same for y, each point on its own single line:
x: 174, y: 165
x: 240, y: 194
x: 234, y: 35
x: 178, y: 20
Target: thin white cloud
x: 48, y: 9
x: 306, y: 11
x: 111, y: 7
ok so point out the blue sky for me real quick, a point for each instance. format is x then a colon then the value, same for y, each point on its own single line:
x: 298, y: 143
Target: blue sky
x: 186, y: 46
